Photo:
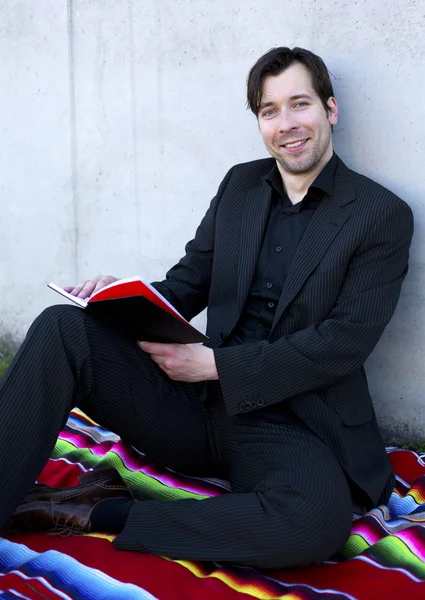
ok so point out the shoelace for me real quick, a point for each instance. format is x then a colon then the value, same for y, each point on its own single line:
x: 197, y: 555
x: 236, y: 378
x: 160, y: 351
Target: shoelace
x: 66, y: 527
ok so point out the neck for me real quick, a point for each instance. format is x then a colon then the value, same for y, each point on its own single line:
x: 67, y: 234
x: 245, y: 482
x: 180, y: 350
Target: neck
x: 296, y: 185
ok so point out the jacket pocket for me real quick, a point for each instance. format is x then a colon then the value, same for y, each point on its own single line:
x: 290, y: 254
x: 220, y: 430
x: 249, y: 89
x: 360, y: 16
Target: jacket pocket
x: 356, y: 411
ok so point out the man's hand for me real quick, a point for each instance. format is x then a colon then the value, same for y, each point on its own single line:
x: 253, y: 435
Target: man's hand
x: 86, y: 288
x: 183, y: 362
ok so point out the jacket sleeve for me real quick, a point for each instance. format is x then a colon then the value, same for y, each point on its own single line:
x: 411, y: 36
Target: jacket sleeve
x: 187, y: 284
x: 263, y: 373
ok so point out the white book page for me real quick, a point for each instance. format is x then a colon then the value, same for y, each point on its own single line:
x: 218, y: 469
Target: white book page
x: 59, y: 290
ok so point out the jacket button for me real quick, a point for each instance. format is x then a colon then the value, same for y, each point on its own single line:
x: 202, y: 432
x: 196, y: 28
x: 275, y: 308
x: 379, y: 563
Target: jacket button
x: 242, y: 406
x: 221, y: 337
x: 260, y: 402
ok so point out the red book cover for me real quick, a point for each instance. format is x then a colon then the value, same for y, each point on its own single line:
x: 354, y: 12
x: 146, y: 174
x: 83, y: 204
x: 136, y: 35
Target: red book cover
x: 134, y: 287
x: 139, y: 311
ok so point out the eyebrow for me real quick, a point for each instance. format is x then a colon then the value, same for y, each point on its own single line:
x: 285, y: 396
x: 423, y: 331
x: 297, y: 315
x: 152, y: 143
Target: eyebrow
x: 292, y: 99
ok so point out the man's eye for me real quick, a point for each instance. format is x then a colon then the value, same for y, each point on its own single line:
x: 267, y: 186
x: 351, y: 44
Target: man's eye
x: 268, y: 113
x: 301, y: 104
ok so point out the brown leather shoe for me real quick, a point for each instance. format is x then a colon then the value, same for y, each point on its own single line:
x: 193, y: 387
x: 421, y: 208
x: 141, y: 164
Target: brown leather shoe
x: 67, y: 510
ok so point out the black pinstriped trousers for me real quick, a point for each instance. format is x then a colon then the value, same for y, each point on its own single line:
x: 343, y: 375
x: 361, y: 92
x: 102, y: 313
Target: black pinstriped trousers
x: 290, y: 503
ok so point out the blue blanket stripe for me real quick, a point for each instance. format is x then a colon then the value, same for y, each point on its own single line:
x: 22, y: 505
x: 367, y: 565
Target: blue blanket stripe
x: 65, y: 574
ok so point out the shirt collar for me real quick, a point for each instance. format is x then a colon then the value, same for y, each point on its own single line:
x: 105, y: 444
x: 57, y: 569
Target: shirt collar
x: 324, y: 180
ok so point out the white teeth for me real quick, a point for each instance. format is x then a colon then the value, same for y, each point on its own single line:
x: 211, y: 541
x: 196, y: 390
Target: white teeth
x: 295, y: 144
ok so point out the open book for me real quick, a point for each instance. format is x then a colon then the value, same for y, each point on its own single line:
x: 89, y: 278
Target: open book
x: 139, y: 310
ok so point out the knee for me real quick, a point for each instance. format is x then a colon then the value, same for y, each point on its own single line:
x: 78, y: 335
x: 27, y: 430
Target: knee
x: 324, y: 533
x: 305, y: 535
x: 58, y: 312
x: 59, y: 319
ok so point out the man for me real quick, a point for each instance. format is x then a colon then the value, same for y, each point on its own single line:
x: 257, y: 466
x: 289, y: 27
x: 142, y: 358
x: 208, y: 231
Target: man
x: 300, y: 262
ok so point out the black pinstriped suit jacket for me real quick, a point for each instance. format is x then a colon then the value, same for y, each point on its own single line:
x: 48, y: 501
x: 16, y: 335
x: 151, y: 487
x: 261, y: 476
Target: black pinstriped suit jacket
x: 340, y: 293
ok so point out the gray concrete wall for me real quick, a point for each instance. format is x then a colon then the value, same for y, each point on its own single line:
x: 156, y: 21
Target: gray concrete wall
x: 118, y: 119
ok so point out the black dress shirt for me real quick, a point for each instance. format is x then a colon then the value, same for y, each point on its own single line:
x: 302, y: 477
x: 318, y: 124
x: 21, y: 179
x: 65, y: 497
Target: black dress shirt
x: 286, y: 225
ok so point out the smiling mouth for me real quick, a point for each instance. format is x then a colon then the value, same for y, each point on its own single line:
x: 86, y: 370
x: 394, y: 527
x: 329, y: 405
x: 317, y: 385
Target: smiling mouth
x: 295, y: 144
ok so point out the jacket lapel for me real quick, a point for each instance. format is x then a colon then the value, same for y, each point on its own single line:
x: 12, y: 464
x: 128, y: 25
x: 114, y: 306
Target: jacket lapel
x: 254, y: 221
x: 325, y: 224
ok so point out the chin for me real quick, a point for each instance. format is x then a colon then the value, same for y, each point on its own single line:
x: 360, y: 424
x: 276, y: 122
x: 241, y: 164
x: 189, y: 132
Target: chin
x: 298, y: 166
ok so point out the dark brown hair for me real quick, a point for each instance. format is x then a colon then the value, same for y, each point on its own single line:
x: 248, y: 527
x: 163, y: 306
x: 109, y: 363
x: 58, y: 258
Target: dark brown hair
x: 277, y: 60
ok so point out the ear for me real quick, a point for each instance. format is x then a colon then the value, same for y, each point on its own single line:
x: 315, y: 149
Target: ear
x: 333, y: 110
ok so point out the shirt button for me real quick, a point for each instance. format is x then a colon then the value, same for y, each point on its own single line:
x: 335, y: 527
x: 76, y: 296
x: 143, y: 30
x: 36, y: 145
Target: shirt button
x: 269, y: 285
x: 271, y: 304
x: 278, y: 248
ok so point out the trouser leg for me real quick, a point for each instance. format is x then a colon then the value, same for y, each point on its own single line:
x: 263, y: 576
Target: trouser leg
x: 290, y: 504
x: 71, y: 359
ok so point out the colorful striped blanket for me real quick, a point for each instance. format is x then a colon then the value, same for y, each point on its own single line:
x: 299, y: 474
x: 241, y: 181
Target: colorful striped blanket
x: 383, y: 559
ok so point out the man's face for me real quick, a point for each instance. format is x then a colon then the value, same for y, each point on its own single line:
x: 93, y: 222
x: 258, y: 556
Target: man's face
x: 293, y: 122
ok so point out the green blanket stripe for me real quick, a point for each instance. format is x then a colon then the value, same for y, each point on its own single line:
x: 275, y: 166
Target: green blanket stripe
x: 139, y: 482
x: 392, y: 552
x: 355, y: 545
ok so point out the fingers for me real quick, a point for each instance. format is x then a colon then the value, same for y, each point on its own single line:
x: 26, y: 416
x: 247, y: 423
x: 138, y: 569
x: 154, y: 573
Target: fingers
x: 87, y: 287
x: 164, y: 355
x: 168, y: 364
x: 157, y: 353
x: 78, y: 289
x: 182, y: 362
x: 155, y: 348
x: 104, y: 280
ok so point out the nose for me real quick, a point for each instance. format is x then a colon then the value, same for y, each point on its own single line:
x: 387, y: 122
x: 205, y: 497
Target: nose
x: 287, y: 121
